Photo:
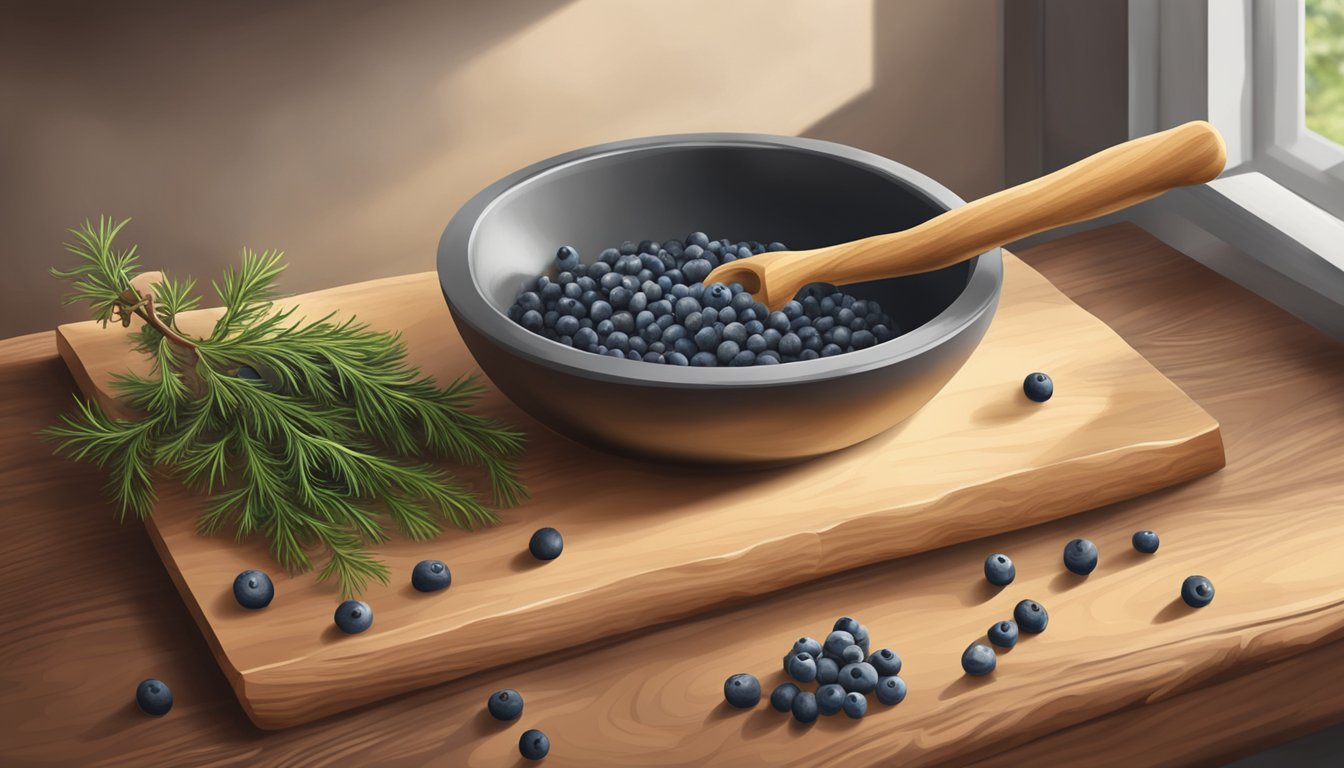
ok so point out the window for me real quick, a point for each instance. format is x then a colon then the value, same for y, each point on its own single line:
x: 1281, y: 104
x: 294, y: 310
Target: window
x: 1268, y: 74
x: 1323, y: 68
x: 1298, y: 97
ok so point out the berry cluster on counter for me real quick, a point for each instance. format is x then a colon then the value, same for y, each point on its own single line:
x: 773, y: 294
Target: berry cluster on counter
x: 842, y: 669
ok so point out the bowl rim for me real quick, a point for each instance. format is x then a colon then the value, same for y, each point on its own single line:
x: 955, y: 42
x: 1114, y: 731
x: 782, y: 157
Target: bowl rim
x: 469, y: 306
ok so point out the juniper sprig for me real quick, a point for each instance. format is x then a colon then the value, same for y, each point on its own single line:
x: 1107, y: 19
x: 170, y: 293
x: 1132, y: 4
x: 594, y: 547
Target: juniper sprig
x: 317, y: 455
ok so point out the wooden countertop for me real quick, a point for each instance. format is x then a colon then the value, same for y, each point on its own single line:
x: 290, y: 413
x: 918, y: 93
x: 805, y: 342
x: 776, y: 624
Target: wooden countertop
x: 1125, y: 675
x: 977, y: 460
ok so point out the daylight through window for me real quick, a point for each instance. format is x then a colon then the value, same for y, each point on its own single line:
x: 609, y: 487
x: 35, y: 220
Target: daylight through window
x: 1323, y: 59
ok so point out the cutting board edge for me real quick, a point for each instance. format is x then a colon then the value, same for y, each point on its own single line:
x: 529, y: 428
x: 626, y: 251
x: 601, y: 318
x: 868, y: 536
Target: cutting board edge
x: 260, y: 692
x: 81, y: 374
x: 231, y: 672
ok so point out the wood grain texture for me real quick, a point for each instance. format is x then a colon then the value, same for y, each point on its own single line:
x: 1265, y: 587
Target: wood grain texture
x: 1253, y: 668
x: 1114, y: 178
x: 647, y: 544
x: 1242, y: 714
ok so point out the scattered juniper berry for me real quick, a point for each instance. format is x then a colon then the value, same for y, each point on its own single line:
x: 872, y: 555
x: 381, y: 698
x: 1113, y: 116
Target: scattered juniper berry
x: 1197, y: 591
x: 1145, y: 542
x: 999, y: 570
x: 505, y: 704
x: 742, y: 691
x: 1003, y: 634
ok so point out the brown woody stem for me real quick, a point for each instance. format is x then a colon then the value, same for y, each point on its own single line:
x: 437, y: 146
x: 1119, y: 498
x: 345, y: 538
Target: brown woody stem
x: 143, y: 306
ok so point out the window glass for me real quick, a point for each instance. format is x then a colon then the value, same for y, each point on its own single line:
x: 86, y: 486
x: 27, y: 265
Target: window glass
x: 1323, y: 58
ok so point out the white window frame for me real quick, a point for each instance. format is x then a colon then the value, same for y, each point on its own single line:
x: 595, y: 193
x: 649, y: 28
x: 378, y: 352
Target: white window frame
x: 1274, y: 220
x: 1285, y: 149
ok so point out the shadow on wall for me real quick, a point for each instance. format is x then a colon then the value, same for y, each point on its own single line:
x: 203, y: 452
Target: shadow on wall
x: 221, y: 125
x: 348, y: 134
x: 936, y: 103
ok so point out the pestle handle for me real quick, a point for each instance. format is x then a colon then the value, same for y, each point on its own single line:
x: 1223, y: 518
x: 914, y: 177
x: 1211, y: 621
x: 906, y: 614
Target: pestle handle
x: 1112, y: 179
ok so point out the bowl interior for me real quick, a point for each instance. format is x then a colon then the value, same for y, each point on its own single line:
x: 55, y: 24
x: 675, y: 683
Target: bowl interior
x: 741, y: 192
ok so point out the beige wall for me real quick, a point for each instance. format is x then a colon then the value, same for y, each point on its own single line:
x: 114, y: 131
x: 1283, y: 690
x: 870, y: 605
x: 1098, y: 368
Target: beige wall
x: 348, y: 133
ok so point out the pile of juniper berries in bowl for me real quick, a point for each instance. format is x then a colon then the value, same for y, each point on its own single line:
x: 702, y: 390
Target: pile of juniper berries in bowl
x: 648, y: 301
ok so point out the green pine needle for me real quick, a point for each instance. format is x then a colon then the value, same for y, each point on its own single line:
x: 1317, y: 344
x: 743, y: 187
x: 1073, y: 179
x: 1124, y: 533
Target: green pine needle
x: 316, y: 457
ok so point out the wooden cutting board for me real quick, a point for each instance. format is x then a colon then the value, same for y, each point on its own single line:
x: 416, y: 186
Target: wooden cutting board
x: 648, y: 543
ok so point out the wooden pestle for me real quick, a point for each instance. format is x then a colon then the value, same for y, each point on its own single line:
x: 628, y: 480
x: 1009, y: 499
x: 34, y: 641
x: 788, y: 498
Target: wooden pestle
x: 1111, y: 179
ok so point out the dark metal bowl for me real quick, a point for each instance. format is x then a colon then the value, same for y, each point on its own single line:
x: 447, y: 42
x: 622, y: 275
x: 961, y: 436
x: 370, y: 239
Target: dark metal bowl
x: 802, y: 192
